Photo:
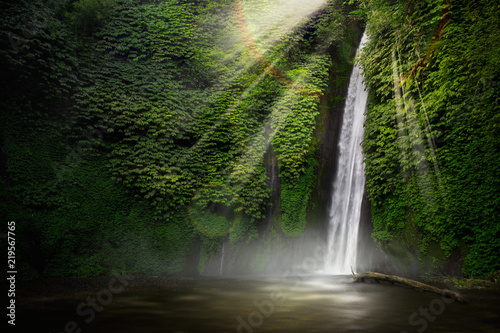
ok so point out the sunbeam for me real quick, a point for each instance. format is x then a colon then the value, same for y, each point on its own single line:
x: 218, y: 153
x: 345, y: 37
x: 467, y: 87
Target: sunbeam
x: 260, y: 28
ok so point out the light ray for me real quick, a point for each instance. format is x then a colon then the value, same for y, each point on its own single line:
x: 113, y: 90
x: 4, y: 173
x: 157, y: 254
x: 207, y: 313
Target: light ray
x: 256, y: 148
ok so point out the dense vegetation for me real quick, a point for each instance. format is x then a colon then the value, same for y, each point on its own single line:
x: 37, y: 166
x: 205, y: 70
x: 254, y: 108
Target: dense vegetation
x: 432, y: 141
x: 133, y: 132
x: 136, y: 134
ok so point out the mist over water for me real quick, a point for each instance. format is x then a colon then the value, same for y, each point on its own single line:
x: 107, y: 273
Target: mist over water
x: 349, y: 180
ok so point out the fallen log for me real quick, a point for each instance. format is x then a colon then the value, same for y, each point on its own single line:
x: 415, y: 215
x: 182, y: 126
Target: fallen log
x: 410, y: 283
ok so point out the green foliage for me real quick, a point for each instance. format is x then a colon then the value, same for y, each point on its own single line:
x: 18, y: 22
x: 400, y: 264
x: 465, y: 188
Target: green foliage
x: 295, y: 200
x: 483, y: 256
x: 212, y: 230
x: 209, y: 224
x: 151, y: 31
x: 39, y: 57
x: 135, y: 130
x: 294, y: 124
x: 431, y: 142
x: 382, y: 237
x: 243, y: 231
x: 89, y: 15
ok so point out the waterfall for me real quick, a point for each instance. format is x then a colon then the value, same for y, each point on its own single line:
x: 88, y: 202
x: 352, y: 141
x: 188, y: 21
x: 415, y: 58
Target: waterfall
x: 221, y: 260
x: 349, y: 182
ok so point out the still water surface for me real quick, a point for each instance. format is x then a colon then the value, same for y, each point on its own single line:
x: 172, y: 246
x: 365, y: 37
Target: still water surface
x: 267, y: 304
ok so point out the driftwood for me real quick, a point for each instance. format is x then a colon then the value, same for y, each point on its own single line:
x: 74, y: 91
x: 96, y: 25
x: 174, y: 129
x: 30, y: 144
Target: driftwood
x: 410, y: 283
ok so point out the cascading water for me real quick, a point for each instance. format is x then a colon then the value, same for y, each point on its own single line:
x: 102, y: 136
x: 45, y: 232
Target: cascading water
x: 349, y: 180
x: 221, y: 260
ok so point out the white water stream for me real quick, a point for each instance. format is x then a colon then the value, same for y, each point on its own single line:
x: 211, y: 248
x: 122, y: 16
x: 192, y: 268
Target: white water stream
x: 221, y: 260
x: 349, y: 181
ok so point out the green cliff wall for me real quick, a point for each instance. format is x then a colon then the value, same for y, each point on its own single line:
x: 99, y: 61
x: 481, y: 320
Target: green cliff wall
x: 432, y: 134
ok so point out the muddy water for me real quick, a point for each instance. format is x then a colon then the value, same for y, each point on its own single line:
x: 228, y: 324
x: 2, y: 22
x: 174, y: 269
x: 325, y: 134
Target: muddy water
x: 267, y: 304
